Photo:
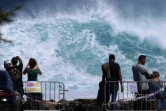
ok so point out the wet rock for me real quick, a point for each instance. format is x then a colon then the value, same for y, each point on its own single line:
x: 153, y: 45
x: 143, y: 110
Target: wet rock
x: 91, y: 105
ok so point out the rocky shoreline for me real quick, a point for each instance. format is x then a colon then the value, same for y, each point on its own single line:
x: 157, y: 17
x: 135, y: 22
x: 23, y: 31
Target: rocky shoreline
x: 91, y: 105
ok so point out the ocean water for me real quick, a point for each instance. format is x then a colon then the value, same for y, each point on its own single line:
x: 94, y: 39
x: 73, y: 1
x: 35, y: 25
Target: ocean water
x: 70, y: 41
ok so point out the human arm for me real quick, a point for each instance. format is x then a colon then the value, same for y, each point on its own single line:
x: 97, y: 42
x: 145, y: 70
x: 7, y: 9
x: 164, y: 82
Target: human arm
x: 103, y: 74
x: 19, y: 59
x: 40, y: 72
x: 120, y: 78
x: 148, y: 74
x: 25, y: 70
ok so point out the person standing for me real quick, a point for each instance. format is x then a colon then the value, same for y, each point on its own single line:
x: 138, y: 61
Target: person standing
x: 111, y: 72
x: 32, y: 69
x: 141, y: 75
x: 15, y: 72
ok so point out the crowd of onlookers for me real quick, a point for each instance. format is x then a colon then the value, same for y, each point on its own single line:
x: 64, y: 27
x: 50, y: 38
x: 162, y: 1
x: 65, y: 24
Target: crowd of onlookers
x: 146, y: 83
x: 15, y: 70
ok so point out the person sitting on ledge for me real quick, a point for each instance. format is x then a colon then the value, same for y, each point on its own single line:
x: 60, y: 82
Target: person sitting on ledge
x: 32, y: 69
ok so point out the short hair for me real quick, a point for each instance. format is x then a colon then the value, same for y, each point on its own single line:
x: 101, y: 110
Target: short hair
x: 141, y: 57
x: 156, y: 74
x: 111, y: 56
x: 14, y: 61
x: 32, y: 62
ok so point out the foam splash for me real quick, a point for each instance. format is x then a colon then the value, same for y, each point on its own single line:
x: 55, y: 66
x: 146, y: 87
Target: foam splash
x: 71, y: 47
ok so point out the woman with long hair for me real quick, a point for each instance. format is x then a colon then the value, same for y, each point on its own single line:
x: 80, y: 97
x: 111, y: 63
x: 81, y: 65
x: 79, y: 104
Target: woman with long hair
x: 32, y: 69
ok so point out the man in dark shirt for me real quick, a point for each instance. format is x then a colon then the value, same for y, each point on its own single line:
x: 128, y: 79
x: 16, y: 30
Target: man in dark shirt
x: 112, y: 72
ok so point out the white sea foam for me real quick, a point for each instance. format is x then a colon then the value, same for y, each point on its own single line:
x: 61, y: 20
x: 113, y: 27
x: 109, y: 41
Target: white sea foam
x: 68, y: 49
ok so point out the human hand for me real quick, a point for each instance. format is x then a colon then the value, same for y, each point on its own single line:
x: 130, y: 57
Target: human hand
x: 122, y: 88
x: 36, y: 64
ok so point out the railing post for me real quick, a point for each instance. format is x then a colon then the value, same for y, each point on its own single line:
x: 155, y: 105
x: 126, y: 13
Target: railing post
x: 47, y: 90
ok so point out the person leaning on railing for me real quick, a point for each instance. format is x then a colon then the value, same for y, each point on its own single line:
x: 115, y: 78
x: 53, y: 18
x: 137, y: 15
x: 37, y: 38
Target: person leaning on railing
x: 141, y: 75
x: 32, y: 69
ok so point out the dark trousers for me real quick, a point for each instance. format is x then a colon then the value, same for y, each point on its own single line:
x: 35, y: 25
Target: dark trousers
x: 111, y: 90
x: 141, y: 104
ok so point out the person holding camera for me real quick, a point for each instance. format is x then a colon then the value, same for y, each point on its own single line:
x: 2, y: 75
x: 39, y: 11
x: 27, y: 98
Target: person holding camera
x: 15, y: 72
x: 32, y: 69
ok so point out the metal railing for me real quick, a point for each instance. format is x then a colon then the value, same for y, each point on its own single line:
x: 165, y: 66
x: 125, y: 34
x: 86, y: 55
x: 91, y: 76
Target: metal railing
x: 51, y: 92
x: 131, y: 98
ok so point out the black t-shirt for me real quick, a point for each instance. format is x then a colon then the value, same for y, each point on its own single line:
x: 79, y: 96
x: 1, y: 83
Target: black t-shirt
x: 114, y: 68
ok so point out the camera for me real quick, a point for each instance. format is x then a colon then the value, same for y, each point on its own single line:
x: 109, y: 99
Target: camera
x: 7, y: 64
